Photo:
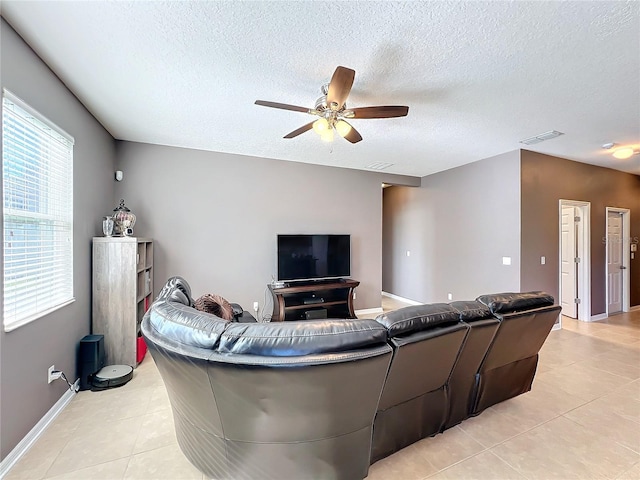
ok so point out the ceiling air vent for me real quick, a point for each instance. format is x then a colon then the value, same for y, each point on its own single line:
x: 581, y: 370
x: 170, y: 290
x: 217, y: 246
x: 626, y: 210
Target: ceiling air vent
x: 541, y: 137
x: 379, y: 166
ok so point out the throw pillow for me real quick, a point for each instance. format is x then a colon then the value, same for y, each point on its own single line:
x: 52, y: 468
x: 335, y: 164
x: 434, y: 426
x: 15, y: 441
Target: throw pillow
x: 215, y: 304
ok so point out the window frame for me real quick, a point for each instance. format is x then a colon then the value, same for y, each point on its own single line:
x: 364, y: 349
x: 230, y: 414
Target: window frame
x: 43, y: 124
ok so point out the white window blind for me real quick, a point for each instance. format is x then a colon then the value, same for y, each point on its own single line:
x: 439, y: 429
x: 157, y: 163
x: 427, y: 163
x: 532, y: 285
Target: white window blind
x: 37, y: 180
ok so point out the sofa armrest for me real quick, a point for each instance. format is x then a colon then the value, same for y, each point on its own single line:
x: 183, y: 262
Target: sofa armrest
x: 237, y: 310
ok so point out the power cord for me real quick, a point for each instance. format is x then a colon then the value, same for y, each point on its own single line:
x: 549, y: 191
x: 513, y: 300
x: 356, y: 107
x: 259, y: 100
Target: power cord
x: 56, y: 374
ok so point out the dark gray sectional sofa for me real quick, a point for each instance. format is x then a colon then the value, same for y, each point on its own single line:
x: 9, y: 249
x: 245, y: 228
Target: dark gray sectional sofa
x: 323, y: 399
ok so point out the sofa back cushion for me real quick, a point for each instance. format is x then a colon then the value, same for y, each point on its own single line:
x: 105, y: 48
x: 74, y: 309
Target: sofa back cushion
x: 516, y: 302
x: 418, y: 317
x: 520, y: 335
x: 471, y: 311
x: 184, y: 325
x: 289, y: 339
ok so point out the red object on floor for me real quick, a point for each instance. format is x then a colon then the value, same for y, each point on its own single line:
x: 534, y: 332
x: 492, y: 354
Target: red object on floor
x: 141, y: 349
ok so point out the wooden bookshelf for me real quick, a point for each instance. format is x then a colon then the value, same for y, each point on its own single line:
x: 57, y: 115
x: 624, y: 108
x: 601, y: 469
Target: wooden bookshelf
x: 122, y: 293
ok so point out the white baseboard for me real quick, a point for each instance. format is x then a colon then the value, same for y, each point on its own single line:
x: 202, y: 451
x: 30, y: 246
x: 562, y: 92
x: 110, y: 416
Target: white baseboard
x: 369, y: 311
x: 27, y: 442
x: 401, y: 299
x: 634, y: 309
x: 601, y: 316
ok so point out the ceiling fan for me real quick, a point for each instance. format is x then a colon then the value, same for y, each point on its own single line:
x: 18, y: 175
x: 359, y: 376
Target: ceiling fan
x: 332, y: 109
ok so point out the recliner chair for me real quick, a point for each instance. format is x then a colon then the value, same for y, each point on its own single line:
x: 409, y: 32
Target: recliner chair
x: 426, y: 340
x: 462, y: 384
x: 510, y: 364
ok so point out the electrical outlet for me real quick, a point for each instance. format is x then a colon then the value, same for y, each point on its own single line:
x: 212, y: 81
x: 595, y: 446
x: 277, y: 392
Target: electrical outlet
x: 450, y: 296
x: 354, y: 294
x: 256, y: 305
x: 50, y: 377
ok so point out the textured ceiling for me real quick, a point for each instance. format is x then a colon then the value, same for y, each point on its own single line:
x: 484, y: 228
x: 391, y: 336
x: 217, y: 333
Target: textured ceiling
x: 477, y: 76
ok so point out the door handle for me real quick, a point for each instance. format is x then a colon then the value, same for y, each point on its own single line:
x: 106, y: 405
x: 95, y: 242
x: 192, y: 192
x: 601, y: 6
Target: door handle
x: 622, y: 267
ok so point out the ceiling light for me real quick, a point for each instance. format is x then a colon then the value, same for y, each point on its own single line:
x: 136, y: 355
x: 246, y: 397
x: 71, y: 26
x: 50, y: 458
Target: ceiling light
x: 608, y: 146
x: 327, y: 135
x: 343, y: 128
x: 623, y: 153
x: 320, y: 126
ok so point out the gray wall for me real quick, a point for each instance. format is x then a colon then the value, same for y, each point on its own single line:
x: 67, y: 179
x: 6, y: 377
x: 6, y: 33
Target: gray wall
x: 26, y: 353
x: 215, y: 216
x: 458, y: 225
x: 546, y: 180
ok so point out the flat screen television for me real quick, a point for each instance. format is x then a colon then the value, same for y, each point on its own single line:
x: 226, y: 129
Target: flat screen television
x: 310, y: 257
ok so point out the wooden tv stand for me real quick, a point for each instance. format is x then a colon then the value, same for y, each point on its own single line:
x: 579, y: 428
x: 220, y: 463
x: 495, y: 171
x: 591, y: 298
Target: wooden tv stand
x: 304, y: 300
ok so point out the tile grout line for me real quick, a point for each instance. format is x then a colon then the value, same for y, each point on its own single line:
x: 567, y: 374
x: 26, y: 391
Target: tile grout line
x: 637, y: 452
x: 71, y: 437
x: 129, y: 456
x: 488, y: 449
x: 89, y: 466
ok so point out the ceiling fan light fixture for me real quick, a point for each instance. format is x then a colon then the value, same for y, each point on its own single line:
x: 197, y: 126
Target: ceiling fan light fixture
x: 623, y: 153
x: 327, y: 135
x: 320, y: 126
x: 343, y: 128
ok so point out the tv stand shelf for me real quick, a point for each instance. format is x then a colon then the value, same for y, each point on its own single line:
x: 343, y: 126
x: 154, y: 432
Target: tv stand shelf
x: 301, y: 300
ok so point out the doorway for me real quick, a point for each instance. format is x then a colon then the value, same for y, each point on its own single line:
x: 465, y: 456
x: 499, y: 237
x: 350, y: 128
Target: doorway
x: 574, y: 261
x: 617, y: 259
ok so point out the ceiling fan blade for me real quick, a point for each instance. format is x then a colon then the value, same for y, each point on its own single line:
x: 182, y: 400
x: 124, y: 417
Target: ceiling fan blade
x: 282, y: 106
x: 339, y: 87
x: 352, y: 135
x: 300, y: 130
x: 387, y: 111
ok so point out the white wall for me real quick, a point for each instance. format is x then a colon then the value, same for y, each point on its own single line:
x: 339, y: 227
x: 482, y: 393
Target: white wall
x: 458, y: 225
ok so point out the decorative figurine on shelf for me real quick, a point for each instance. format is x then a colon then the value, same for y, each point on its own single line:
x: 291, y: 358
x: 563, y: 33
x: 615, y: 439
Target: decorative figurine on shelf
x: 107, y: 226
x: 124, y: 220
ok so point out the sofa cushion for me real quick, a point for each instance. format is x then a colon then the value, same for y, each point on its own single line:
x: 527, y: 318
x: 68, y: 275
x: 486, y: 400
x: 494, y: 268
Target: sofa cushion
x: 470, y: 311
x: 514, y: 302
x: 418, y: 317
x: 288, y: 339
x: 184, y: 325
x: 216, y: 305
x: 177, y: 290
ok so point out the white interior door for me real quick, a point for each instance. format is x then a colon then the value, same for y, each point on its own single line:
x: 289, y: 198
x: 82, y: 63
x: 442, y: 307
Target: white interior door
x: 614, y: 261
x: 569, y: 284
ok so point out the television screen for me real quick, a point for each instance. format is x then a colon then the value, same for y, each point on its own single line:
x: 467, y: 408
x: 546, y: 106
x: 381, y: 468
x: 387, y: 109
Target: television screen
x: 304, y: 257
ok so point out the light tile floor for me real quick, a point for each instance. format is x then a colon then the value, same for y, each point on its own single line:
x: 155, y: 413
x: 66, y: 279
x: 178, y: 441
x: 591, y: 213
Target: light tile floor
x: 581, y: 420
